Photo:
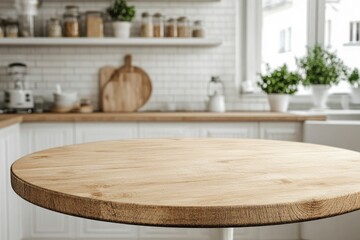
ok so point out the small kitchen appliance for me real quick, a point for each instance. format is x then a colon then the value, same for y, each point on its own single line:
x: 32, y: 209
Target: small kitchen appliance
x: 19, y: 99
x: 216, y: 95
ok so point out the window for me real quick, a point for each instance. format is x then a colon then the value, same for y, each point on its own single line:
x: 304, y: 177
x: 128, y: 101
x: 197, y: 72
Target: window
x: 285, y: 40
x: 283, y: 29
x: 345, y: 36
x: 354, y: 32
x: 328, y: 33
x: 284, y: 32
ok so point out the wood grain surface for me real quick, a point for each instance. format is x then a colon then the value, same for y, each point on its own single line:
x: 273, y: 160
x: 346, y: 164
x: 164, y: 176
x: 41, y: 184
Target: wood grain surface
x: 128, y: 88
x: 6, y: 121
x: 192, y: 182
x: 105, y: 74
x: 170, y: 117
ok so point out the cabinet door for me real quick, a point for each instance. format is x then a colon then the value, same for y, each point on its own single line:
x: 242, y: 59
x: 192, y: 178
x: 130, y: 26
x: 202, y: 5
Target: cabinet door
x: 91, y: 132
x: 10, y: 203
x: 41, y: 136
x: 168, y: 130
x: 285, y: 131
x: 39, y: 222
x: 3, y: 185
x: 229, y: 130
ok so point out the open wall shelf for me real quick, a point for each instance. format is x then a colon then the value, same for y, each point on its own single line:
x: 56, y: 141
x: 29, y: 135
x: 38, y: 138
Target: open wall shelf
x: 191, y: 42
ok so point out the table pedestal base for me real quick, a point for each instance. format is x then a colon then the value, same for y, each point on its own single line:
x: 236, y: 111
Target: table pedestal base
x: 226, y: 234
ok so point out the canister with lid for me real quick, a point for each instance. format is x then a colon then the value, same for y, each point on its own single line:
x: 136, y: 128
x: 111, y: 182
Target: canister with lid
x: 198, y: 30
x: 183, y: 26
x: 12, y: 28
x: 159, y: 28
x: 54, y: 28
x: 171, y: 28
x: 94, y: 24
x: 71, y: 21
x: 147, y: 27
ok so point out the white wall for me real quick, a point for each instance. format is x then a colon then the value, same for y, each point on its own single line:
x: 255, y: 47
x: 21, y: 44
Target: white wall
x: 178, y: 74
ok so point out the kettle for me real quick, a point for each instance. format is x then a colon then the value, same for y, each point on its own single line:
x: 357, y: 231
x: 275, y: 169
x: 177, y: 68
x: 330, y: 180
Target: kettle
x: 216, y: 95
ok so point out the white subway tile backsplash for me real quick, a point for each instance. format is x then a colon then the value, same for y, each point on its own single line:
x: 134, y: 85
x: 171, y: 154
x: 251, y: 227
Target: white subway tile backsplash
x: 179, y: 74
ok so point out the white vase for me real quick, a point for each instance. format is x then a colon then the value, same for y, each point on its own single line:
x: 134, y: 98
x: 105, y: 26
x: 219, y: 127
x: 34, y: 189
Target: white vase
x: 121, y: 29
x: 355, y: 95
x: 279, y: 102
x: 320, y: 95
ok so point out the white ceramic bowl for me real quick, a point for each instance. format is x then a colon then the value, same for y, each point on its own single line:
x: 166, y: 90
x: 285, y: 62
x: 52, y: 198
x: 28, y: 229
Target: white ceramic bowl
x: 66, y: 99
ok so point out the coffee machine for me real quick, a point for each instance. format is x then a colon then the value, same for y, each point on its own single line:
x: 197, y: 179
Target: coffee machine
x: 18, y: 99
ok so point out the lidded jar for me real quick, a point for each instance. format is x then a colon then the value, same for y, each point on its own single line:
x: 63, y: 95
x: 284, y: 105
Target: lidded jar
x: 71, y: 21
x: 159, y: 28
x: 2, y: 28
x: 183, y: 26
x: 171, y: 28
x: 54, y: 28
x: 12, y: 28
x: 94, y: 24
x: 147, y: 27
x: 198, y: 30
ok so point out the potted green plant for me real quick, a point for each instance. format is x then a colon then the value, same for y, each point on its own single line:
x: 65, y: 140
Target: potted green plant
x: 322, y: 69
x: 279, y: 85
x: 122, y: 15
x: 354, y: 79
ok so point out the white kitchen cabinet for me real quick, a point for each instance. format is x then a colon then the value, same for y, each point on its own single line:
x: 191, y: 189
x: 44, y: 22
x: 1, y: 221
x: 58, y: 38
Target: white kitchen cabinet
x: 229, y: 130
x: 41, y: 136
x: 341, y: 134
x: 285, y: 131
x: 91, y: 132
x: 168, y: 130
x: 38, y: 222
x: 10, y: 205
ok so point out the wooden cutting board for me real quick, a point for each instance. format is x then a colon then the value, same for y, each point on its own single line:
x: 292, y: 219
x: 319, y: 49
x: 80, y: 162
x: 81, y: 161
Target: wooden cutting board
x: 125, y: 89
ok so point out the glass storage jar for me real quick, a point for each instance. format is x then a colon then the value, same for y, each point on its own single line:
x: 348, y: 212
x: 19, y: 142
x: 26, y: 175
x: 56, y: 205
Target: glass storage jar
x: 147, y: 27
x: 198, y: 30
x: 54, y: 28
x: 183, y: 27
x: 12, y: 28
x: 71, y: 21
x: 2, y: 29
x: 94, y: 24
x: 159, y: 27
x: 171, y: 28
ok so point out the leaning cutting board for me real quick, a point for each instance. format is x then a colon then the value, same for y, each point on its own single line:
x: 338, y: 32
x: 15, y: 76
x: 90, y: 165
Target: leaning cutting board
x: 125, y: 89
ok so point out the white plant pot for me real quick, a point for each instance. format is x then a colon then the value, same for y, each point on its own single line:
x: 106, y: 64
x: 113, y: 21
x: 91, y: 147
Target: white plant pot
x: 279, y: 102
x: 121, y: 29
x: 320, y: 95
x: 355, y: 95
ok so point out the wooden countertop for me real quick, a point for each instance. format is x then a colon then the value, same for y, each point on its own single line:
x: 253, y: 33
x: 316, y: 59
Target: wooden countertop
x: 192, y: 182
x: 172, y: 117
x: 6, y: 121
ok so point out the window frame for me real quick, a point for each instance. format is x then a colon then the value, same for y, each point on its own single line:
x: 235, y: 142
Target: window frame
x: 251, y: 63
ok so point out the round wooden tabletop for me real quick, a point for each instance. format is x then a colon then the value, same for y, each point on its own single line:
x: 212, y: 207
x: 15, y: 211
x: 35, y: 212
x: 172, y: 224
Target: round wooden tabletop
x: 192, y: 182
